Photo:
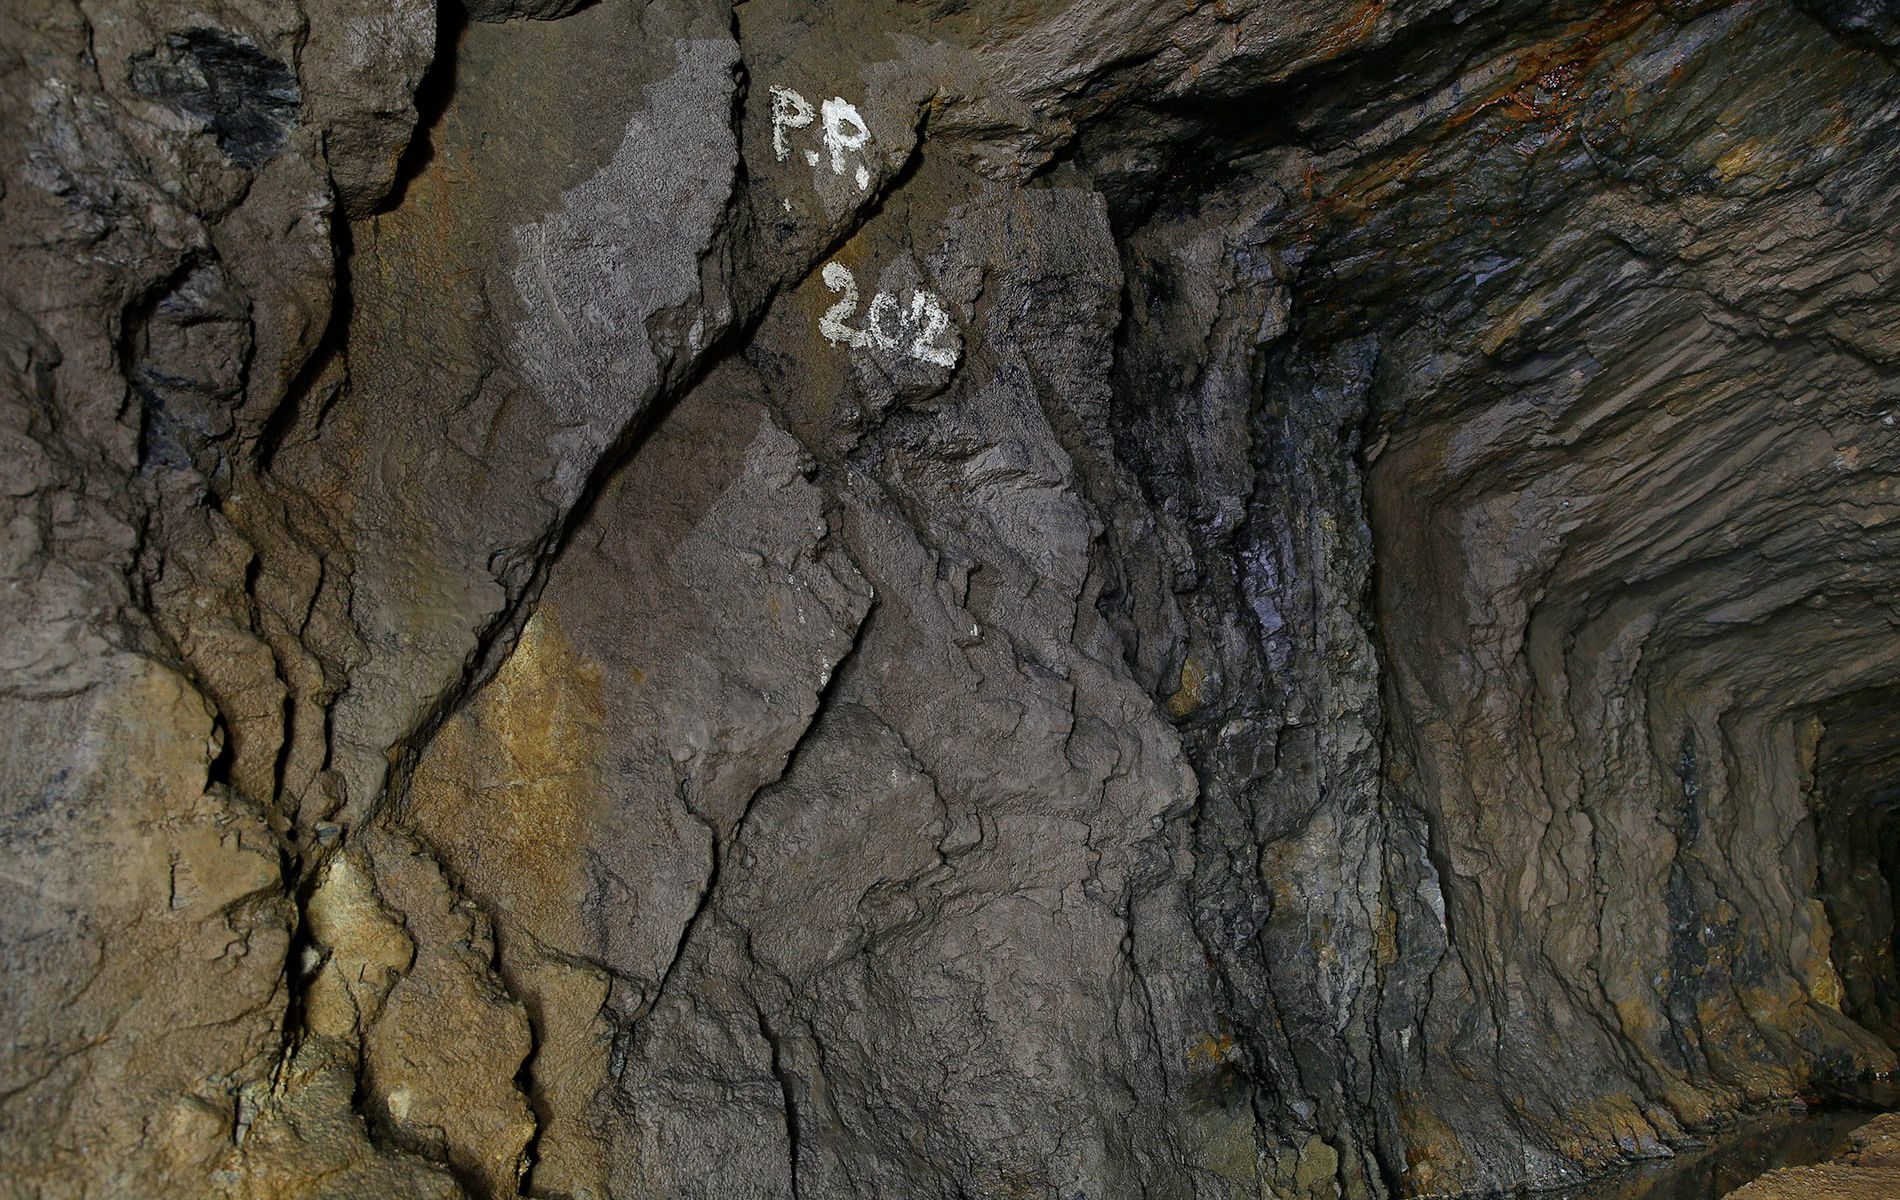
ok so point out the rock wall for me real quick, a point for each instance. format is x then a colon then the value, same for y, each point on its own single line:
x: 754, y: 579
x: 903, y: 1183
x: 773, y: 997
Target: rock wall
x: 675, y: 599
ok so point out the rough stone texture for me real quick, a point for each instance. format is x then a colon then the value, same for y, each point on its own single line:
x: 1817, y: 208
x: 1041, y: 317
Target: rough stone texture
x: 1268, y: 598
x: 1869, y: 1170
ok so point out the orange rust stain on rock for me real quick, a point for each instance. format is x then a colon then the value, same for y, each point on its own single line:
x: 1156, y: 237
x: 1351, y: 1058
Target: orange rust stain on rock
x: 1211, y: 1049
x: 507, y: 790
x: 1435, y: 1158
x: 1544, y: 89
x: 1601, y: 1133
x: 1354, y: 31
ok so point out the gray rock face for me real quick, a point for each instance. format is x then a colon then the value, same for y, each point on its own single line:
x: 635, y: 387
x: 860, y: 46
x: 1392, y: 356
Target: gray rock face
x: 1027, y: 599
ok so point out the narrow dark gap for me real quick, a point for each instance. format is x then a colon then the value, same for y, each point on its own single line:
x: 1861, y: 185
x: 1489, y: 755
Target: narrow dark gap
x: 1856, y: 807
x: 432, y: 98
x: 302, y: 394
x: 302, y: 404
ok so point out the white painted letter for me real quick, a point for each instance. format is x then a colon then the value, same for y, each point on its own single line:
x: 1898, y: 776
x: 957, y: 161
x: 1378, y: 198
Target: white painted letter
x: 791, y: 111
x: 838, y: 114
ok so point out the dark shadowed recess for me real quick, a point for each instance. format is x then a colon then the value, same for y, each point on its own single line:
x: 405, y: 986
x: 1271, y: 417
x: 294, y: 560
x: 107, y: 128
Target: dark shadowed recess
x: 1857, y: 821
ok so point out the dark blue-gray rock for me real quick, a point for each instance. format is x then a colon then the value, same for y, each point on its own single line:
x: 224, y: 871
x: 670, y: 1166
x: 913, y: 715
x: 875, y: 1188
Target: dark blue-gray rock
x: 247, y: 100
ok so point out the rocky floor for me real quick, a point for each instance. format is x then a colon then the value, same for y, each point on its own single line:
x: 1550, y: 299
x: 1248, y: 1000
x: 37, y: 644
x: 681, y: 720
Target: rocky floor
x: 1869, y: 1170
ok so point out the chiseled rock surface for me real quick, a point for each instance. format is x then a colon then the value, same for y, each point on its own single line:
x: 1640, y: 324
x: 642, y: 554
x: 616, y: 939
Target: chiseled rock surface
x: 1059, y: 598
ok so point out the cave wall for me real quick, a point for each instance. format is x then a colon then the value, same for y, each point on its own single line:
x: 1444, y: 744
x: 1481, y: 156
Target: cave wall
x: 682, y: 599
x: 1633, y: 529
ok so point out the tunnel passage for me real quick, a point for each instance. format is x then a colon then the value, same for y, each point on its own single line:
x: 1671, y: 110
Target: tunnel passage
x: 1857, y: 829
x: 1600, y: 321
x: 1613, y: 304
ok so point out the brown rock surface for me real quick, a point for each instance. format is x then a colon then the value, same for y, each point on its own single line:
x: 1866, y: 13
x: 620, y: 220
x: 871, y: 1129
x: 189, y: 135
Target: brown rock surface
x: 1027, y: 598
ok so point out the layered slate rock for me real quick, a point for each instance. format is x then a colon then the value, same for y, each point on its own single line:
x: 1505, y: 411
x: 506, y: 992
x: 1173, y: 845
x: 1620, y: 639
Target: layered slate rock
x: 1046, y: 598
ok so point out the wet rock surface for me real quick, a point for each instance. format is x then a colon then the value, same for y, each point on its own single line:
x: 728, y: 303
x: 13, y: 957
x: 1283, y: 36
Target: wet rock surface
x: 1018, y: 599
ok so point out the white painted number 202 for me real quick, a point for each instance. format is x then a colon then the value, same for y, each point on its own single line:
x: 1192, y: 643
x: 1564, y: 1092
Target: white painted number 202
x: 845, y: 132
x: 887, y: 326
